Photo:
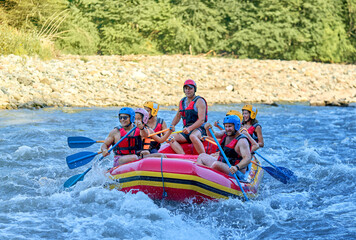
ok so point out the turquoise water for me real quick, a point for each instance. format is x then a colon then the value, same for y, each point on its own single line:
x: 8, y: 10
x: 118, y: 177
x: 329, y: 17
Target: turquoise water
x: 317, y: 143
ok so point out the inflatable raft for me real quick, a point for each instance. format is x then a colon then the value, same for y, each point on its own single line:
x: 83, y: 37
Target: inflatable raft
x: 179, y: 178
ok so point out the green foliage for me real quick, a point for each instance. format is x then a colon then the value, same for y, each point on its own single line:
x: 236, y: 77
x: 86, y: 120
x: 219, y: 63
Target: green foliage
x: 13, y: 41
x: 291, y: 29
x: 78, y: 34
x: 30, y: 14
x: 313, y: 30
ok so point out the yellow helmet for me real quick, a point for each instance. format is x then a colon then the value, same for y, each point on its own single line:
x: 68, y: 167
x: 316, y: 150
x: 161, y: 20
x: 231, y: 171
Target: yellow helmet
x: 251, y: 109
x: 153, y: 106
x: 234, y: 112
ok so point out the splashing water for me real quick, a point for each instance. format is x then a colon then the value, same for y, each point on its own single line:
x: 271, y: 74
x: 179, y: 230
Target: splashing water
x: 317, y: 143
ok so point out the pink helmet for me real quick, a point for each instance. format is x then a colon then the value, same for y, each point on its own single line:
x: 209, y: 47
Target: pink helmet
x: 144, y: 113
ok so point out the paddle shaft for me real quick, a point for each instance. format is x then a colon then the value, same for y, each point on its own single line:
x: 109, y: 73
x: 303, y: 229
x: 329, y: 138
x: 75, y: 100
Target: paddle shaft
x: 228, y: 163
x: 155, y: 133
x: 208, y: 140
x: 70, y: 182
x: 270, y: 163
x: 127, y: 134
x: 74, y: 142
x: 90, y: 141
x: 276, y: 168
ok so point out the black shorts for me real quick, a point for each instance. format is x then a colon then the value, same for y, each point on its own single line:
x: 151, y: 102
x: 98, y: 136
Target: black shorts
x: 186, y: 136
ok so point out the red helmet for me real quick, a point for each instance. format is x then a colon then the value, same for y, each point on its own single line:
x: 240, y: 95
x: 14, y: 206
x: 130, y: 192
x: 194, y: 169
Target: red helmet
x: 190, y: 82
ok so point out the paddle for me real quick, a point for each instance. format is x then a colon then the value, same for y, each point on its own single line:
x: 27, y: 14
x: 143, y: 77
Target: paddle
x: 273, y: 172
x: 155, y: 133
x: 80, y: 159
x: 81, y: 142
x: 228, y: 163
x: 79, y: 177
x: 280, y: 173
x: 283, y: 174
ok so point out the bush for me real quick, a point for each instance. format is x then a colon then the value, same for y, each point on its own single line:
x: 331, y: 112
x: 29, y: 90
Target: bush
x: 312, y: 30
x: 13, y: 41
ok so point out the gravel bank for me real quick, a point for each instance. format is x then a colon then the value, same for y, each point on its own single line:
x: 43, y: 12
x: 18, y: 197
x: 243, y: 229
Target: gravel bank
x: 103, y: 81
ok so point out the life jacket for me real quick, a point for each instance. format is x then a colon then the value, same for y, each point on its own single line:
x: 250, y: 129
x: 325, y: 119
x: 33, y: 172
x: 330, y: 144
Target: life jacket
x: 229, y: 150
x: 252, y: 132
x: 188, y: 113
x: 149, y: 143
x: 130, y: 145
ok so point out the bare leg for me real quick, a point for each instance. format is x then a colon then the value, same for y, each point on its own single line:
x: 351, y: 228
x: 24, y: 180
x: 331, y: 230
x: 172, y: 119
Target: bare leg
x: 220, y: 166
x: 223, y: 167
x: 175, y: 143
x: 195, y: 138
x: 206, y: 159
x: 155, y: 155
x: 127, y: 158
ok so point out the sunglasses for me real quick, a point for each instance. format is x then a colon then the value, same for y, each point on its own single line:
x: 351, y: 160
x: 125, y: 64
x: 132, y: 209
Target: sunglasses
x: 123, y: 117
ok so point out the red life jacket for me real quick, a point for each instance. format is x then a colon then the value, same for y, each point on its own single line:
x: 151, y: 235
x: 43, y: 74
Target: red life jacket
x: 149, y: 143
x: 229, y: 150
x: 189, y: 114
x: 252, y: 132
x: 130, y: 145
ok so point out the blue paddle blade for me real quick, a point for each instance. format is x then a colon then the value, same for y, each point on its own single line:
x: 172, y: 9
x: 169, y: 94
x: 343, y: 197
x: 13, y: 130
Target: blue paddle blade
x: 289, y: 174
x: 80, y: 142
x: 282, y: 174
x: 80, y: 159
x: 73, y: 180
x: 276, y: 174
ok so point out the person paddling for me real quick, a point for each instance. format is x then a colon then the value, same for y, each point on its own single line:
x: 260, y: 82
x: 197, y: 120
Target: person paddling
x: 251, y: 124
x: 193, y: 110
x: 129, y: 149
x: 155, y: 124
x: 254, y: 145
x: 235, y: 145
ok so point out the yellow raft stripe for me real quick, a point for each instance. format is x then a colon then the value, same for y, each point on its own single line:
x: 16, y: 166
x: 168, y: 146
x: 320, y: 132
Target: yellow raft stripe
x: 179, y: 185
x: 177, y: 176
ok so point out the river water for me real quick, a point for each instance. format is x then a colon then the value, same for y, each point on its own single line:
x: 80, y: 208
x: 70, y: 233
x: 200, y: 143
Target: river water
x: 317, y: 143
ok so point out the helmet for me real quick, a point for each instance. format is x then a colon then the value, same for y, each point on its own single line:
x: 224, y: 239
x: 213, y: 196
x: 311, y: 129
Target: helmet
x: 144, y: 114
x: 234, y: 112
x: 153, y: 106
x: 128, y: 111
x: 234, y: 120
x: 252, y: 110
x: 190, y: 82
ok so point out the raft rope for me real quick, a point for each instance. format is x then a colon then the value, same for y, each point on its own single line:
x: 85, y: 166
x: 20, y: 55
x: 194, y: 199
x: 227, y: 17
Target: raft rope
x: 164, y: 194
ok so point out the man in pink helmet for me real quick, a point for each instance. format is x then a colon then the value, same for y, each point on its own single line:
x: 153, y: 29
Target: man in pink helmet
x: 193, y: 110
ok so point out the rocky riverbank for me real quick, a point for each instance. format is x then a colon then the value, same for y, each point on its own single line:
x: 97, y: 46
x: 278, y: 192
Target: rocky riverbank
x: 103, y: 81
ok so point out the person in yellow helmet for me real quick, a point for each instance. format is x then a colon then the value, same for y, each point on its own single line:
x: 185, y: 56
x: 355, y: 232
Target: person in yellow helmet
x: 253, y: 143
x: 155, y: 124
x: 235, y: 145
x: 250, y: 123
x: 229, y: 113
